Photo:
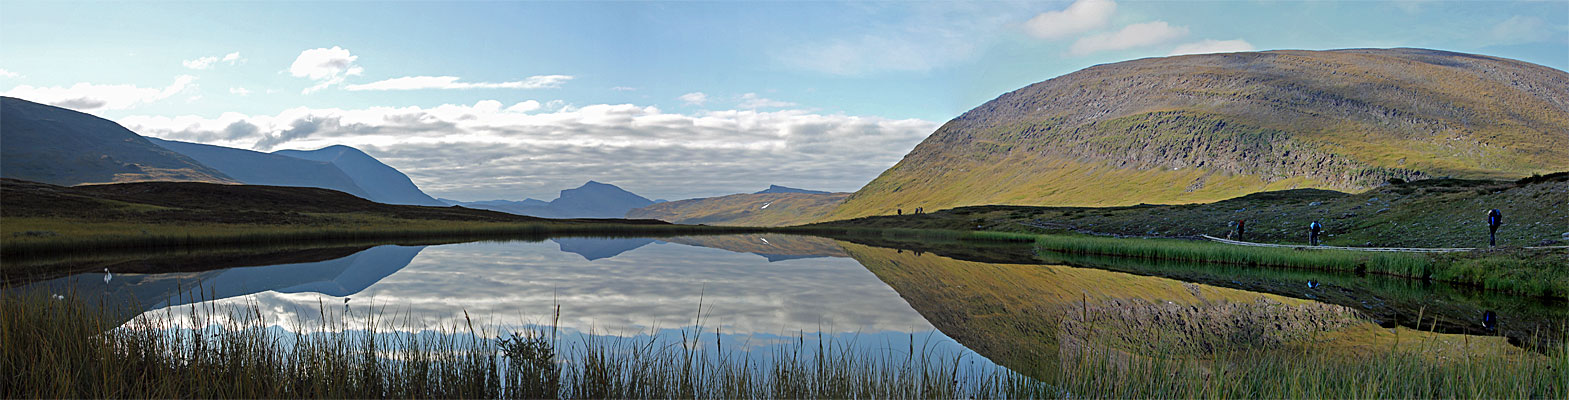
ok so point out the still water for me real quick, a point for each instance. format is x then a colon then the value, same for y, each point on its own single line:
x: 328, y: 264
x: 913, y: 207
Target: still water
x: 1012, y: 305
x: 762, y: 294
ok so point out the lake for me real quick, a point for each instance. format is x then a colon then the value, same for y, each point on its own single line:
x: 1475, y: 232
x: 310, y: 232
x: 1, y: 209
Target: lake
x: 988, y: 305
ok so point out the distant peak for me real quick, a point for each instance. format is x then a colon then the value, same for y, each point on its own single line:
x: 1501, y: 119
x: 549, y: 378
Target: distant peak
x: 787, y: 189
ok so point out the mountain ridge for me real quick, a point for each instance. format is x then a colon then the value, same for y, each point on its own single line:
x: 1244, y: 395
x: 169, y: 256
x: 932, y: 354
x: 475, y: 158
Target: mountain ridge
x: 258, y: 168
x: 59, y: 146
x: 591, y: 200
x: 379, y: 180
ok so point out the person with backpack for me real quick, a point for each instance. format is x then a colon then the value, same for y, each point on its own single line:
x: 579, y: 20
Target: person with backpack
x: 1494, y: 219
x: 1313, y: 230
x: 1241, y: 228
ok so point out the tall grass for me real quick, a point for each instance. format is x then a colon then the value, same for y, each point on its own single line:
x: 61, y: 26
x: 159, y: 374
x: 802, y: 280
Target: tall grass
x: 69, y: 348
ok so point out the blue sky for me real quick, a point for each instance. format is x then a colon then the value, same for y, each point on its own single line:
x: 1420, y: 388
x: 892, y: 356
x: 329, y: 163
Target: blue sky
x: 670, y: 100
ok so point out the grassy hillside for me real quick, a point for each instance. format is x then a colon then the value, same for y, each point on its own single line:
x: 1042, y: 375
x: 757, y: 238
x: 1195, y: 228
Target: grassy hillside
x: 63, y: 147
x: 1208, y: 127
x: 42, y: 218
x: 1427, y: 213
x: 759, y: 209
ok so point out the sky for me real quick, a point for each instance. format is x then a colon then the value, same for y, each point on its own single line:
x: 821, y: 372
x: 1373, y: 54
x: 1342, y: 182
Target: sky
x: 671, y: 100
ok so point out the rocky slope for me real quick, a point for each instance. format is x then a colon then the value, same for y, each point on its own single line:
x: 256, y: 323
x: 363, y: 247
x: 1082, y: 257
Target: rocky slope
x: 1207, y: 127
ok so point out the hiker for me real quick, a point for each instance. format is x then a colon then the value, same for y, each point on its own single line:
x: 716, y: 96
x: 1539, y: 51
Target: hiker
x: 899, y: 210
x: 1489, y: 320
x: 1241, y: 227
x: 1313, y: 229
x: 1494, y: 219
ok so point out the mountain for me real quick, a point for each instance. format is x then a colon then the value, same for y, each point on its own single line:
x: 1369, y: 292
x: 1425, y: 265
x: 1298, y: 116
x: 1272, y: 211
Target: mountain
x: 530, y: 207
x: 54, y: 145
x: 592, y: 200
x: 1202, y: 128
x: 598, y: 200
x: 783, y: 189
x: 258, y: 168
x: 380, y: 182
x: 765, y: 209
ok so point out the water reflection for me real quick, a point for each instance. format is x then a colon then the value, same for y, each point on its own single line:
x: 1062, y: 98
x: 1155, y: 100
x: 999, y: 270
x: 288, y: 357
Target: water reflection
x: 767, y: 290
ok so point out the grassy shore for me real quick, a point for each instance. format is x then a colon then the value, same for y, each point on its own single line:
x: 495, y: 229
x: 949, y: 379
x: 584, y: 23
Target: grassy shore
x: 66, y: 348
x: 55, y: 348
x: 1542, y: 273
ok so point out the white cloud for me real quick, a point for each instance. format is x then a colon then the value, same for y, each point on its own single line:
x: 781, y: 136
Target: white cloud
x: 523, y: 107
x: 752, y: 100
x: 200, y: 63
x: 451, y: 82
x: 486, y: 151
x: 90, y: 96
x: 1081, y: 16
x: 240, y: 91
x: 624, y: 89
x: 1212, y: 46
x: 1131, y: 36
x: 8, y: 74
x: 694, y: 98
x: 325, y: 66
x: 209, y: 61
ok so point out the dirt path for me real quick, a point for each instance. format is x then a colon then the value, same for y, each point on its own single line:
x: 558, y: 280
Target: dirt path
x: 1387, y: 249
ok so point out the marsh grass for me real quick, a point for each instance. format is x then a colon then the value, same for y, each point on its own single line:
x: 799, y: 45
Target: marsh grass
x: 69, y: 347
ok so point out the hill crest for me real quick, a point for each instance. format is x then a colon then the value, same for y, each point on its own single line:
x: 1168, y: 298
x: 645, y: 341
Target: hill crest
x: 1201, y: 128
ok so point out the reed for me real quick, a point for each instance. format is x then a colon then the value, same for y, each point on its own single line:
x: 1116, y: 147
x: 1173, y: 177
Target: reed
x: 68, y: 347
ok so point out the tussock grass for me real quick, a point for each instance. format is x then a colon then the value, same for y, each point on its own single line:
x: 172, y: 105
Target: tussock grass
x: 68, y: 348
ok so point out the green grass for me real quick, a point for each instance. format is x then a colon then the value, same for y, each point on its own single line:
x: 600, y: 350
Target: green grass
x: 1542, y: 273
x: 68, y: 348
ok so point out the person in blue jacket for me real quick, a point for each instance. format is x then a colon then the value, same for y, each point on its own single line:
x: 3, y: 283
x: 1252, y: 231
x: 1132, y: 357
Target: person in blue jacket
x: 1494, y: 219
x: 1313, y: 230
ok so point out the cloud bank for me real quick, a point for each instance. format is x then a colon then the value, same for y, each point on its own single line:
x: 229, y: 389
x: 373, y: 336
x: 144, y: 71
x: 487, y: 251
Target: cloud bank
x: 490, y: 150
